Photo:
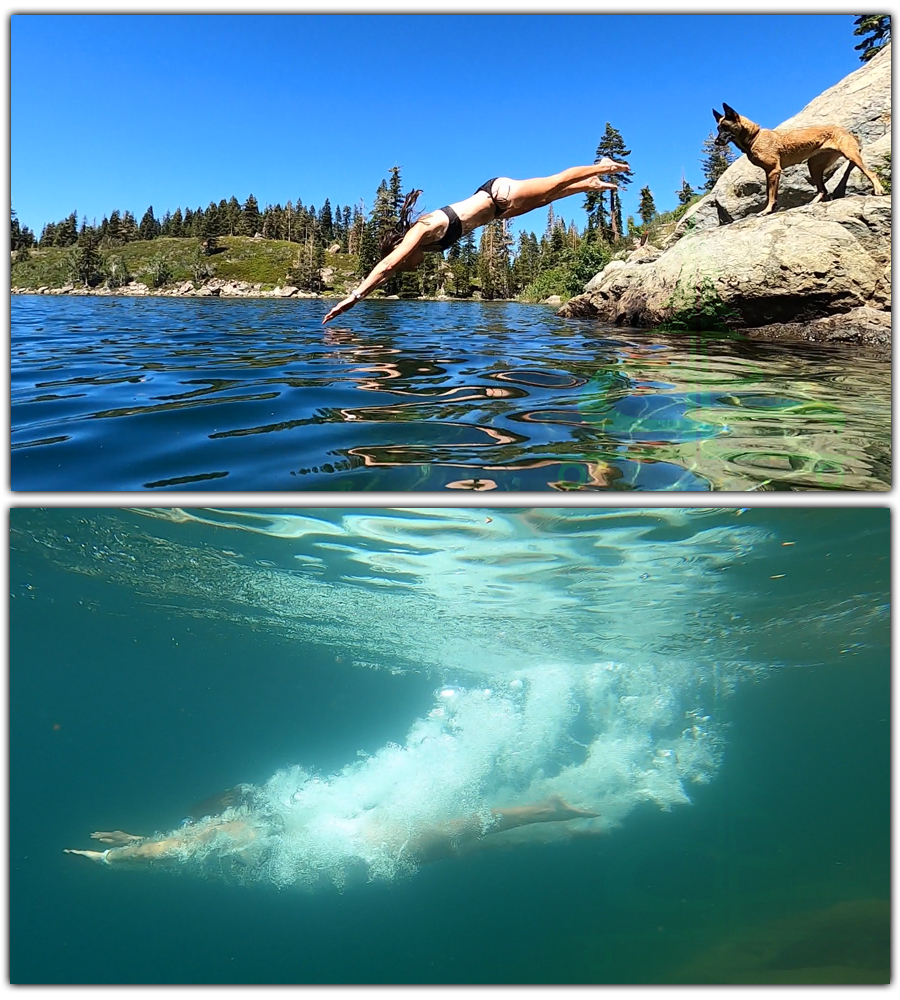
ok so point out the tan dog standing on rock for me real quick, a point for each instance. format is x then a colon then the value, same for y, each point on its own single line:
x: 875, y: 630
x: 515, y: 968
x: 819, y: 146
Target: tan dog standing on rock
x: 772, y: 150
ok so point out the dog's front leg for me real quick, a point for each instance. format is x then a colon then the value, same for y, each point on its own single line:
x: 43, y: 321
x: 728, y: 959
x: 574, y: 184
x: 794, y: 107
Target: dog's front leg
x: 773, y: 176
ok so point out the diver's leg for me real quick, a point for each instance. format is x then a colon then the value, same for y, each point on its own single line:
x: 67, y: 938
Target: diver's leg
x: 536, y: 192
x: 446, y: 841
x: 554, y: 810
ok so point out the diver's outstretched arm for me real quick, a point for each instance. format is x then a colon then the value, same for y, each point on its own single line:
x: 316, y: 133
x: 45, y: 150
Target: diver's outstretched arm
x: 179, y: 844
x: 406, y: 254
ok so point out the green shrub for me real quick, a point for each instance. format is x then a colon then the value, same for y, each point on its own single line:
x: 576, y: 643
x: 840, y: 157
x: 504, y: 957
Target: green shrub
x: 159, y: 270
x: 117, y: 273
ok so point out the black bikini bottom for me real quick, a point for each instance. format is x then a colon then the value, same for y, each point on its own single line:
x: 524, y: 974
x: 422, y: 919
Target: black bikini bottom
x: 498, y: 208
x: 454, y: 230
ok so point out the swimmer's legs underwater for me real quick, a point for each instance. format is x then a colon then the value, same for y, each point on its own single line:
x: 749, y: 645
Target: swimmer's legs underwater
x: 467, y: 834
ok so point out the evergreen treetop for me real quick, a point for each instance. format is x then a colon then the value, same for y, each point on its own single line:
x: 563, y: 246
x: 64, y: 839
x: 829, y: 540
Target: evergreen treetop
x: 875, y: 30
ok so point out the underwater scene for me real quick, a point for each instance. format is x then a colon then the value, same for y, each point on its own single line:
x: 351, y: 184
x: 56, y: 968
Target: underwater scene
x: 450, y: 746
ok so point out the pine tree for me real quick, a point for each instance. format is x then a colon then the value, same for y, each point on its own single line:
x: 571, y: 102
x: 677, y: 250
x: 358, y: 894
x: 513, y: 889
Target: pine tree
x: 113, y: 236
x: 22, y: 238
x: 15, y: 231
x: 356, y: 229
x: 288, y: 220
x: 307, y: 273
x: 493, y: 260
x: 149, y: 227
x: 878, y: 28
x: 527, y: 263
x: 612, y: 145
x: 326, y: 222
x: 232, y: 215
x: 428, y: 275
x: 382, y: 220
x: 647, y: 207
x: 395, y: 187
x: 84, y: 261
x: 685, y: 193
x: 67, y: 231
x: 214, y: 224
x: 250, y: 217
x: 464, y: 265
x: 198, y: 223
x: 128, y: 228
x: 716, y: 161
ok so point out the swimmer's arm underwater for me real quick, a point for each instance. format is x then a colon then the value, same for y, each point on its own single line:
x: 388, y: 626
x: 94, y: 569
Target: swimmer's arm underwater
x: 180, y: 844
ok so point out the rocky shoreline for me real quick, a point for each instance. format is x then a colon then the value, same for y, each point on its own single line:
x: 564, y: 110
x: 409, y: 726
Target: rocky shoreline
x: 214, y: 288
x: 226, y: 289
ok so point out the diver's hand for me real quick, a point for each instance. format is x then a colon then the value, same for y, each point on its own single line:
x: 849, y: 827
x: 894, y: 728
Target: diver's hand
x: 341, y: 307
x: 91, y: 855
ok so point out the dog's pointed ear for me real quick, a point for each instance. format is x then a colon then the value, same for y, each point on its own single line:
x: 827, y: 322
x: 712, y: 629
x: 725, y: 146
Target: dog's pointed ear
x: 716, y: 115
x: 730, y: 113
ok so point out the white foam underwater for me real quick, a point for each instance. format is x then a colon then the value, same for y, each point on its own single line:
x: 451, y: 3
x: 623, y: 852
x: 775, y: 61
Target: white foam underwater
x: 604, y: 738
x: 579, y: 654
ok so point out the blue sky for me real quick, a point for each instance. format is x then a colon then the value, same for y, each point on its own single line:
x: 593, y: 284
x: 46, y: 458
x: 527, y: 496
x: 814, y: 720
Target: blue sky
x: 116, y: 111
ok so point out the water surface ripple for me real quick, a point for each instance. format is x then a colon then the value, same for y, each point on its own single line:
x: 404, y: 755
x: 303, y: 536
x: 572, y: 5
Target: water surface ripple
x: 253, y: 394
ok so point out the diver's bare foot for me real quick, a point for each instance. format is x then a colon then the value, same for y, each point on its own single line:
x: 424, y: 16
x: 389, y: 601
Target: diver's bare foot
x: 92, y: 855
x: 559, y: 809
x: 608, y: 166
x: 115, y: 837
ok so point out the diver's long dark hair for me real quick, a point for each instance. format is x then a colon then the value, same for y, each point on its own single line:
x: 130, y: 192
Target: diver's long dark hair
x: 392, y: 237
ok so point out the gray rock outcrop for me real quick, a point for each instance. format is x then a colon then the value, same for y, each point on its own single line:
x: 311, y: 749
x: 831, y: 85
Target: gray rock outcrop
x: 819, y: 272
x: 861, y: 103
x: 790, y: 267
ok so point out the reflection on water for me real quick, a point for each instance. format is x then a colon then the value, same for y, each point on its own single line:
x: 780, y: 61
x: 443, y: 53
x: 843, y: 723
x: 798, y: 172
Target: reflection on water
x: 254, y: 395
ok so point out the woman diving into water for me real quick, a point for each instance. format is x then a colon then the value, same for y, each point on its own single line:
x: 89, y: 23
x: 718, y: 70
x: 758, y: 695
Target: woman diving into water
x: 403, y: 248
x: 238, y: 832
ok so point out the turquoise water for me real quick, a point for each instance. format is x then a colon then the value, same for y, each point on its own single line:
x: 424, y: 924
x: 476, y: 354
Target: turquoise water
x: 714, y: 683
x: 160, y: 393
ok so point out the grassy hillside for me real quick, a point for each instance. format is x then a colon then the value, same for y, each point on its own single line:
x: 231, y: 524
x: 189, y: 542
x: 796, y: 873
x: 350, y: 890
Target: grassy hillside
x: 239, y: 258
